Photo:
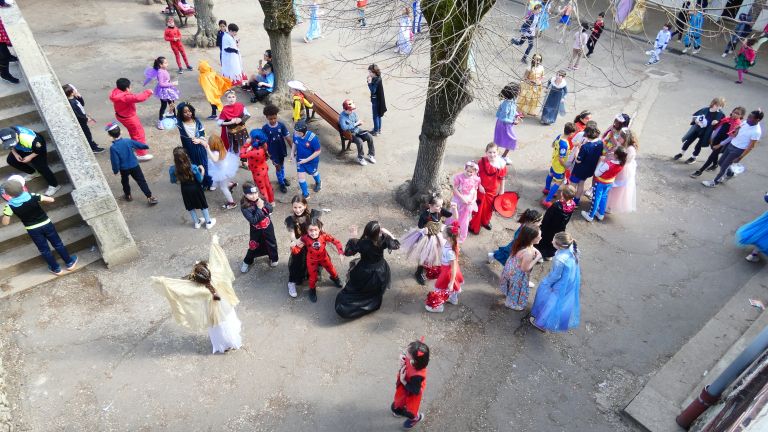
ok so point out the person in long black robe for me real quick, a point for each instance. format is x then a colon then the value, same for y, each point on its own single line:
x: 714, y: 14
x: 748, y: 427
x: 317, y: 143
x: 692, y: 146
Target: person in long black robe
x: 370, y: 277
x: 555, y: 220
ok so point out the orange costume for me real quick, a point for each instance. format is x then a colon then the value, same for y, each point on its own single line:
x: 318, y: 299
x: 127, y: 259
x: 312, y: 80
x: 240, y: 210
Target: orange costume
x: 214, y: 85
x: 257, y: 157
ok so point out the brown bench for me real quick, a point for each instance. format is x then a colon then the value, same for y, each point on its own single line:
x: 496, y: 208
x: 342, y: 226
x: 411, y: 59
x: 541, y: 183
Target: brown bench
x: 330, y: 115
x: 183, y: 17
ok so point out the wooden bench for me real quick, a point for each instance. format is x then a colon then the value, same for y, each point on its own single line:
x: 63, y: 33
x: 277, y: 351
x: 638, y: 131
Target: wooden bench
x: 183, y: 16
x: 330, y: 115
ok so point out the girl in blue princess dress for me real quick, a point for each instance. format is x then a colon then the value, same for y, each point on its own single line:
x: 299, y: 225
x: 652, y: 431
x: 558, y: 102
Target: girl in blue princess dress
x: 755, y: 234
x: 556, y: 306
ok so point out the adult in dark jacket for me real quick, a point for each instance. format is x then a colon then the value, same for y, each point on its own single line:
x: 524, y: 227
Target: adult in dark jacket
x: 378, y: 103
x: 369, y: 278
x: 192, y: 134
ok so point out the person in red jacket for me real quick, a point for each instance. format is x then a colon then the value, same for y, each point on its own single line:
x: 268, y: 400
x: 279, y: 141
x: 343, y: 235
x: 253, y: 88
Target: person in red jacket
x: 315, y: 241
x: 125, y: 111
x: 256, y: 153
x: 411, y: 381
x: 173, y: 35
x: 492, y: 171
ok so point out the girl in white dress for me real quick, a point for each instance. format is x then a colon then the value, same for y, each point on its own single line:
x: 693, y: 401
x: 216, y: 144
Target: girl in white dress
x: 622, y: 198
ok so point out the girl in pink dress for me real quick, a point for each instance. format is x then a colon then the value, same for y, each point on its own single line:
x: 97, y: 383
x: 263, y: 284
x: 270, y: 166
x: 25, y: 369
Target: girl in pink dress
x: 622, y: 198
x: 465, y: 186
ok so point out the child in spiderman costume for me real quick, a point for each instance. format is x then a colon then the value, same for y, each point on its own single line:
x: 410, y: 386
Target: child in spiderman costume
x: 411, y: 381
x: 315, y: 241
x: 257, y: 212
x: 256, y: 154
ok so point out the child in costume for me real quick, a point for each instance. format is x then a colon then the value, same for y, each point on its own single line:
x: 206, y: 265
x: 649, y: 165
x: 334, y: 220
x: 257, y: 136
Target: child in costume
x: 231, y: 62
x: 404, y: 34
x: 256, y: 154
x: 360, y: 5
x: 597, y: 31
x: 530, y: 217
x: 220, y: 37
x: 214, y: 86
x: 173, y: 35
x: 315, y: 241
x: 465, y: 185
x: 561, y: 149
x: 492, y: 171
x: 555, y: 220
x: 506, y: 118
x: 190, y: 178
x: 515, y: 276
x: 277, y: 138
x: 755, y: 234
x: 565, y: 19
x: 125, y: 110
x: 192, y: 135
x: 662, y: 39
x: 299, y: 102
x: 423, y: 244
x: 125, y: 162
x: 165, y: 90
x: 448, y: 283
x: 314, y: 31
x: 39, y: 227
x: 297, y: 224
x: 262, y: 233
x: 223, y: 167
x: 623, y: 195
x: 586, y: 160
x: 306, y: 150
x: 232, y: 120
x: 411, y: 382
x: 605, y: 175
x: 745, y: 59
x: 556, y: 306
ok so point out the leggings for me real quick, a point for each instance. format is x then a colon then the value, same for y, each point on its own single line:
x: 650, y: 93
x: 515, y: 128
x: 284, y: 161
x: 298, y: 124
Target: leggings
x: 223, y: 185
x: 730, y: 154
x: 165, y: 103
x: 712, y: 159
x: 522, y: 41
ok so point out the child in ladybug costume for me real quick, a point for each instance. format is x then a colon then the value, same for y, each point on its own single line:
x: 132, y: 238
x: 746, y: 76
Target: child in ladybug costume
x: 411, y: 381
x: 315, y: 241
x: 262, y: 241
x: 256, y: 154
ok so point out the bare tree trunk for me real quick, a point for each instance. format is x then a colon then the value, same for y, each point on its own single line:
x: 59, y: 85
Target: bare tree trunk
x: 207, y: 27
x: 447, y: 92
x: 279, y: 21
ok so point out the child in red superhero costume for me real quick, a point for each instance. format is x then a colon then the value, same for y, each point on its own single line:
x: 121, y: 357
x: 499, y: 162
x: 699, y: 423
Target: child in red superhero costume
x: 315, y: 241
x: 492, y: 171
x: 411, y: 381
x: 125, y: 111
x: 256, y: 153
x: 173, y: 35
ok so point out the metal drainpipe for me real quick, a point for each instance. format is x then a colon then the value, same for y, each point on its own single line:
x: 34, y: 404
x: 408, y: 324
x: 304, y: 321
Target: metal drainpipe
x: 711, y: 393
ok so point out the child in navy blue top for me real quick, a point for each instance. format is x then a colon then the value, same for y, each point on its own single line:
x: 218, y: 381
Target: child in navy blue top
x: 277, y: 138
x: 220, y: 36
x: 125, y: 163
x: 306, y: 150
x: 190, y: 178
x: 587, y: 159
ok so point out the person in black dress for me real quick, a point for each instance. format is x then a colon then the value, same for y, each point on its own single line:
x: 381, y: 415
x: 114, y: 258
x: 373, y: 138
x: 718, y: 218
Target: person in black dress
x: 555, y: 220
x: 297, y: 224
x: 369, y: 278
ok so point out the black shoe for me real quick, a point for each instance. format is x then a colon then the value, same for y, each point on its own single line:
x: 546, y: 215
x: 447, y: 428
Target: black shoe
x: 337, y: 282
x: 283, y: 189
x: 712, y: 168
x: 524, y: 60
x: 189, y: 68
x: 13, y: 59
x: 10, y: 78
x: 696, y: 173
x: 287, y: 182
x: 677, y: 156
x: 317, y: 187
x: 690, y: 160
x: 313, y: 296
x: 97, y: 149
x: 488, y: 227
x: 421, y: 278
x: 253, y: 99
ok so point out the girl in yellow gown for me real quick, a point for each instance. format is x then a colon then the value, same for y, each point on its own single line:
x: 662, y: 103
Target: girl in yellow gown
x: 634, y: 21
x: 531, y: 87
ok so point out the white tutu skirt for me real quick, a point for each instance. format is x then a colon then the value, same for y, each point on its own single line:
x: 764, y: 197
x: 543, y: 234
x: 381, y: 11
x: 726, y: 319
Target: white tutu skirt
x: 226, y: 335
x: 224, y: 169
x: 421, y: 248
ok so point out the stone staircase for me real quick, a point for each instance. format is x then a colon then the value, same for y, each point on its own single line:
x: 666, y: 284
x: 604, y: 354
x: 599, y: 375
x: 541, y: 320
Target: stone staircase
x: 21, y: 266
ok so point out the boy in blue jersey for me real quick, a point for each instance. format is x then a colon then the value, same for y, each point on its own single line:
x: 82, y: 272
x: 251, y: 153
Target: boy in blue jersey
x: 277, y: 138
x: 306, y: 150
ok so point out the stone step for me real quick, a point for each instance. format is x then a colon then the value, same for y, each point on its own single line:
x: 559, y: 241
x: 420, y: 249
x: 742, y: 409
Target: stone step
x: 14, y: 95
x: 19, y: 115
x: 37, y: 184
x: 24, y: 257
x: 39, y: 274
x: 62, y: 198
x: 15, y: 234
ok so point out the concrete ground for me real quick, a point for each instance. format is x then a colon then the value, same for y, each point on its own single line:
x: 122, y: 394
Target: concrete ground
x: 99, y: 351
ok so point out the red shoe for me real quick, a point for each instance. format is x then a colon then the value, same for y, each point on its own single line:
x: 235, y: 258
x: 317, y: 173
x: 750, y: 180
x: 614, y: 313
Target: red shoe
x: 545, y: 203
x: 545, y: 191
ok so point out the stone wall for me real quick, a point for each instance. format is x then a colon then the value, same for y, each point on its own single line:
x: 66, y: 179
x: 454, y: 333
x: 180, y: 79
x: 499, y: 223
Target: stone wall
x: 91, y: 194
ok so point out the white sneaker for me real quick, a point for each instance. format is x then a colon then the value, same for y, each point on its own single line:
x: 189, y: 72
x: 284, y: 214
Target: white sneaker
x: 292, y: 289
x: 209, y: 225
x: 51, y: 191
x: 709, y: 183
x: 600, y: 217
x: 724, y: 55
x: 438, y: 309
x: 199, y: 223
x: 160, y: 125
x: 685, y: 50
x: 490, y: 258
x: 362, y: 161
x: 212, y: 188
x: 752, y: 258
x: 648, y: 52
x: 531, y: 284
x: 696, y: 51
x: 371, y: 159
x: 273, y: 264
x: 454, y: 298
x: 586, y: 216
x: 144, y: 158
x: 244, y: 267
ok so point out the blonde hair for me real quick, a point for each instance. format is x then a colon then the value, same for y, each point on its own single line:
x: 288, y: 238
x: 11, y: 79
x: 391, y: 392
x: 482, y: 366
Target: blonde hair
x: 216, y: 144
x: 719, y: 101
x: 563, y: 239
x: 490, y: 146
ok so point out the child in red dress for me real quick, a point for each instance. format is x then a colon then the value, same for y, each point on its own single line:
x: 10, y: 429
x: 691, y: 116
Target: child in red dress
x: 315, y: 241
x: 448, y: 283
x: 493, y: 169
x: 173, y: 35
x: 411, y: 381
x: 256, y: 154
